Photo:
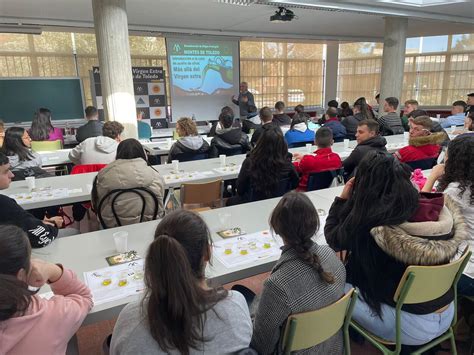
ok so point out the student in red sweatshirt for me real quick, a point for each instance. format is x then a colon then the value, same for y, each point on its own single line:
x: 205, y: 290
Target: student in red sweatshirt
x: 30, y: 324
x: 423, y: 144
x: 323, y: 159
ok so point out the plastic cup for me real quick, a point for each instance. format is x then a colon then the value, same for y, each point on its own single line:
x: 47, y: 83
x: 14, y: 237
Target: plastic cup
x: 346, y: 143
x: 228, y: 249
x: 453, y: 128
x: 222, y: 160
x: 138, y: 272
x: 438, y: 116
x: 120, y: 240
x: 168, y: 142
x: 308, y: 148
x: 123, y: 279
x: 106, y: 278
x: 406, y: 136
x: 175, y: 164
x: 30, y: 180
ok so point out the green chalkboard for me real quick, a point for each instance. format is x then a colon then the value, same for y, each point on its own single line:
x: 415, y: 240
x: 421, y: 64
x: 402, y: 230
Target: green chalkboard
x: 21, y: 97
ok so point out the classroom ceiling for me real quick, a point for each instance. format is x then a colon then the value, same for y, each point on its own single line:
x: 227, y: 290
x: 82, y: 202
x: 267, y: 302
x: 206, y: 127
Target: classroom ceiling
x: 353, y: 20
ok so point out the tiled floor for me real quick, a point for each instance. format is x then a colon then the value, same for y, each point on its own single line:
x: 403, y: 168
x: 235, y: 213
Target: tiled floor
x: 91, y: 337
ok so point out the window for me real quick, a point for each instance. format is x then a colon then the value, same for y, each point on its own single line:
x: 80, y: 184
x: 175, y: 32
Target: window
x: 283, y: 71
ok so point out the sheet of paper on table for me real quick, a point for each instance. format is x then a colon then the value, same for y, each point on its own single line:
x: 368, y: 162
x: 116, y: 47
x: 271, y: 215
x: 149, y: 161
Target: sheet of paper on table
x: 115, y: 282
x: 40, y: 194
x: 247, y: 249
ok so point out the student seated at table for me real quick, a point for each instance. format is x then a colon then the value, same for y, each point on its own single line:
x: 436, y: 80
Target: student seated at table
x: 299, y: 112
x: 31, y: 324
x: 218, y: 126
x: 307, y: 277
x: 457, y: 115
x: 93, y: 127
x: 391, y: 122
x: 253, y: 121
x: 129, y: 170
x: 368, y: 139
x: 42, y: 129
x: 17, y: 147
x: 332, y: 122
x: 422, y: 143
x: 40, y: 232
x: 298, y: 132
x: 265, y: 168
x: 2, y: 133
x: 144, y: 129
x: 266, y: 116
x: 228, y: 137
x: 435, y: 126
x: 468, y: 124
x: 99, y: 150
x: 456, y: 179
x: 385, y: 225
x: 179, y: 312
x: 360, y: 112
x: 323, y: 159
x: 189, y: 142
x: 280, y: 118
x: 346, y: 110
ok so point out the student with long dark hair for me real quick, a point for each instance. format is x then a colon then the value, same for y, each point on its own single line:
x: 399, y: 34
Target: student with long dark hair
x: 129, y: 170
x: 31, y: 324
x: 17, y: 147
x: 42, y: 129
x: 307, y: 277
x: 386, y: 226
x: 265, y: 168
x: 456, y: 179
x: 179, y: 312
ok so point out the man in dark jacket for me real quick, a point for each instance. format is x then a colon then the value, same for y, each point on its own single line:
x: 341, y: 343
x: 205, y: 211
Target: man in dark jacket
x: 244, y: 100
x: 368, y: 138
x: 266, y: 116
x: 93, y: 127
x: 351, y: 122
x: 229, y: 139
x: 281, y: 118
x: 333, y: 123
x: 40, y: 233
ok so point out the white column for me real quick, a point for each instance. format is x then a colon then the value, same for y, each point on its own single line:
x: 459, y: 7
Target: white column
x: 393, y: 60
x: 330, y: 76
x: 113, y: 49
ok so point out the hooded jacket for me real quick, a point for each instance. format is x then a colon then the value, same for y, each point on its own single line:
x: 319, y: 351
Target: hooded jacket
x: 337, y: 128
x: 47, y: 325
x: 190, y: 145
x: 92, y: 128
x: 126, y: 174
x: 229, y: 138
x: 300, y: 133
x: 95, y: 150
x: 420, y: 148
x: 16, y: 164
x: 394, y: 248
x: 351, y: 123
x: 376, y: 143
x: 282, y: 119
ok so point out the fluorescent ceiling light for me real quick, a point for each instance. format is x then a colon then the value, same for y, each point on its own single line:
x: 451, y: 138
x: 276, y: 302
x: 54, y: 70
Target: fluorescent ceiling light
x: 236, y: 2
x: 421, y: 3
x: 20, y: 29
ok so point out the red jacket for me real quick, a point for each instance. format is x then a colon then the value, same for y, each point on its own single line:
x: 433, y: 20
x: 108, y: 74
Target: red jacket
x: 322, y: 160
x: 420, y: 148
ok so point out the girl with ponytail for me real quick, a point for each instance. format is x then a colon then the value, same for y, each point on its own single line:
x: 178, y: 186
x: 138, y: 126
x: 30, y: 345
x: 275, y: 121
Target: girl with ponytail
x: 307, y: 277
x: 179, y: 313
x: 30, y: 324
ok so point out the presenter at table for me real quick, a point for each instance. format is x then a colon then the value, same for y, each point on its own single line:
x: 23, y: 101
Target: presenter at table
x: 244, y: 100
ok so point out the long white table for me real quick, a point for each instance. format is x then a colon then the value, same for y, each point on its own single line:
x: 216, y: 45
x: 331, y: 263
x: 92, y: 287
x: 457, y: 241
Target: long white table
x: 79, y: 186
x: 87, y: 252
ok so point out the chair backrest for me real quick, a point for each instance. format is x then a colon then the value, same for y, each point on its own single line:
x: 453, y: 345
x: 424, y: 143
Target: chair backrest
x: 425, y: 283
x: 308, y: 329
x: 42, y: 146
x: 234, y: 150
x: 324, y: 179
x: 422, y: 164
x: 87, y: 168
x: 300, y: 144
x: 202, y: 193
x: 141, y: 192
x: 339, y: 140
x: 190, y: 156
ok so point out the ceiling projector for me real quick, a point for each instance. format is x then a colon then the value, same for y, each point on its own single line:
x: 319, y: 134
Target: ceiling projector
x: 282, y: 15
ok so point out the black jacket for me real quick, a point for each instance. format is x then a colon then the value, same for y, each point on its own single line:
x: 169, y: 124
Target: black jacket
x: 93, y: 128
x: 212, y: 131
x: 376, y: 143
x: 282, y: 119
x: 39, y: 233
x: 226, y: 139
x: 180, y: 149
x: 351, y: 123
x: 258, y: 132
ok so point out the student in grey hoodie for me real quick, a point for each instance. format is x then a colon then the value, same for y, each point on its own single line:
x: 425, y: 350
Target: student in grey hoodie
x: 190, y: 144
x: 98, y: 150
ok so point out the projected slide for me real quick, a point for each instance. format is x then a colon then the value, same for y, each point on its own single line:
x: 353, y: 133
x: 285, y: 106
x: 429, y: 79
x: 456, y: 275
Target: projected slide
x: 204, y: 74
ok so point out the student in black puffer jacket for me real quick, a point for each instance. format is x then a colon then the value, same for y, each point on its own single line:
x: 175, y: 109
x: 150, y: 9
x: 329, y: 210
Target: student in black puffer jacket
x: 228, y: 139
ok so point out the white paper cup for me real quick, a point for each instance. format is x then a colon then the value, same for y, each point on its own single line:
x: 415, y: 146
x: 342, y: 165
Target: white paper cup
x: 175, y: 164
x: 30, y: 180
x: 346, y: 143
x: 120, y: 240
x: 453, y: 128
x: 438, y: 116
x: 168, y: 142
x: 406, y: 136
x: 222, y: 160
x: 308, y: 148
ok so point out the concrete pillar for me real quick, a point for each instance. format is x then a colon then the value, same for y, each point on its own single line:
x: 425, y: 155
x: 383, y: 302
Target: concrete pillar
x: 393, y: 60
x: 113, y: 49
x: 330, y: 76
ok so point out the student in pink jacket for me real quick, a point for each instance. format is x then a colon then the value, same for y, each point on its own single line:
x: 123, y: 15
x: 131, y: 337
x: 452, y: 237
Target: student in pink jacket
x: 42, y: 129
x: 30, y: 324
